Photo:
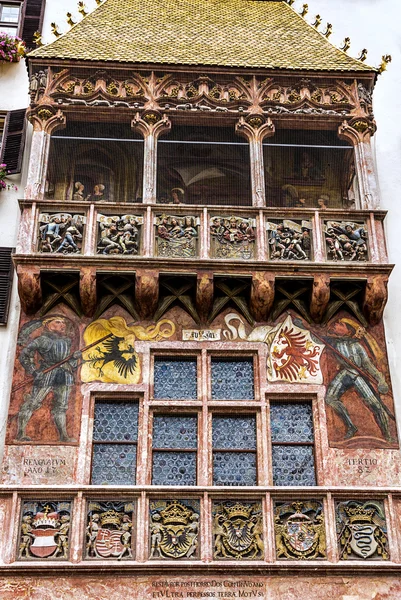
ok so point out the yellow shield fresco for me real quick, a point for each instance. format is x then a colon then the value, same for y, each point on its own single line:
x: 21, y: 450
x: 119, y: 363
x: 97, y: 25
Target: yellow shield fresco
x: 112, y: 357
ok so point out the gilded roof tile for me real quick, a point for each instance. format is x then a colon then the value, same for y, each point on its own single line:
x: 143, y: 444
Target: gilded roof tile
x: 235, y: 33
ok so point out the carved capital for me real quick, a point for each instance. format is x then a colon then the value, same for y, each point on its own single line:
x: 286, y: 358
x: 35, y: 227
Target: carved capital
x: 46, y: 118
x: 255, y: 128
x: 151, y: 122
x: 375, y: 298
x: 357, y: 130
x: 146, y: 292
x: 29, y: 288
x: 262, y: 295
x: 204, y: 295
x: 320, y: 297
x: 87, y: 290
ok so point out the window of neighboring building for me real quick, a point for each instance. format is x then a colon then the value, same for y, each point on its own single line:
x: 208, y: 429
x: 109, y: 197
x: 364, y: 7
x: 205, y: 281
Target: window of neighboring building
x: 9, y: 17
x: 115, y: 435
x: 234, y: 450
x: 175, y: 439
x: 203, y: 165
x: 292, y: 436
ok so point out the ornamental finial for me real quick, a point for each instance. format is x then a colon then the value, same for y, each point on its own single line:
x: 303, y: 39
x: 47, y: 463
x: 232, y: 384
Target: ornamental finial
x: 363, y: 55
x: 346, y: 44
x: 55, y: 30
x: 69, y: 20
x: 304, y: 11
x: 82, y: 8
x: 386, y: 58
x: 329, y: 30
x: 318, y: 20
x: 37, y: 39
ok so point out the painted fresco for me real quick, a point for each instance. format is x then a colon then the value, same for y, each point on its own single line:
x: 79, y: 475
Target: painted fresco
x: 44, y: 401
x: 349, y: 360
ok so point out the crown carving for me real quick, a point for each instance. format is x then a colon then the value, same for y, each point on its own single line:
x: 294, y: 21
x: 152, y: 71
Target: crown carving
x: 238, y: 510
x: 110, y: 517
x: 176, y: 513
x: 46, y: 519
x: 358, y: 513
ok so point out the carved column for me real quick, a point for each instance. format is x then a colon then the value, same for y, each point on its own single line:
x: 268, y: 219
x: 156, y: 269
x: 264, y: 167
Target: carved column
x: 146, y: 292
x: 151, y: 125
x: 204, y: 294
x: 262, y: 295
x: 255, y: 129
x: 45, y: 121
x: 29, y: 288
x: 87, y: 290
x: 359, y: 132
x: 375, y: 298
x: 320, y: 297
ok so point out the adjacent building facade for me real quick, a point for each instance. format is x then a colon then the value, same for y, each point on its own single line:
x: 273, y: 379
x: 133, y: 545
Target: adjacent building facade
x: 201, y: 403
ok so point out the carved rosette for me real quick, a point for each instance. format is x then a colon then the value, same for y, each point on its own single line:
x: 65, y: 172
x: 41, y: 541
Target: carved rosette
x: 238, y: 530
x: 61, y: 233
x: 177, y: 236
x: 119, y: 234
x: 45, y: 530
x: 362, y: 530
x: 109, y: 530
x: 299, y: 530
x: 232, y: 237
x: 346, y: 241
x: 289, y: 240
x: 174, y: 529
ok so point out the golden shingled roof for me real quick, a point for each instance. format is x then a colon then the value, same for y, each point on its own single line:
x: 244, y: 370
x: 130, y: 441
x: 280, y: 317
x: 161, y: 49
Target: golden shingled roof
x: 233, y: 33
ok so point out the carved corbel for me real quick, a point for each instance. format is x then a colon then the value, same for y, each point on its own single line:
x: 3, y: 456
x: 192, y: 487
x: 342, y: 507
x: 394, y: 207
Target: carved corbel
x: 204, y: 295
x: 46, y: 118
x: 29, y: 288
x: 375, y: 298
x: 146, y: 292
x: 357, y: 131
x: 320, y: 297
x: 262, y: 295
x: 255, y: 128
x: 151, y: 122
x: 87, y: 290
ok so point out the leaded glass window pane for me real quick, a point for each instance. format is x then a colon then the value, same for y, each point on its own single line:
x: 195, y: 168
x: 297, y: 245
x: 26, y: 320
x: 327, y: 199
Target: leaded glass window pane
x: 234, y: 468
x: 115, y: 421
x: 234, y: 433
x: 113, y: 464
x: 174, y: 432
x: 174, y: 468
x: 293, y: 465
x: 291, y: 422
x: 115, y: 433
x: 175, y: 379
x: 232, y: 379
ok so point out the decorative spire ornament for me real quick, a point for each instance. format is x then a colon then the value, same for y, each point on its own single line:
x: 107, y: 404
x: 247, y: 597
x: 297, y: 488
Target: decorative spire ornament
x: 346, y: 44
x: 55, y: 30
x: 37, y: 39
x: 363, y: 55
x: 386, y: 58
x: 318, y: 20
x: 82, y: 8
x: 69, y: 20
x: 305, y: 9
x: 329, y: 30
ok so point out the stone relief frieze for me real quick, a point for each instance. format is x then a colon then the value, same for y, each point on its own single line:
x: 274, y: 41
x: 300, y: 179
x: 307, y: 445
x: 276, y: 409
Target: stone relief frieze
x: 346, y: 241
x: 119, y: 234
x: 362, y: 530
x: 45, y: 530
x: 289, y: 240
x: 177, y: 236
x: 238, y: 530
x: 232, y: 237
x: 174, y: 529
x: 109, y: 530
x: 299, y: 530
x: 61, y: 233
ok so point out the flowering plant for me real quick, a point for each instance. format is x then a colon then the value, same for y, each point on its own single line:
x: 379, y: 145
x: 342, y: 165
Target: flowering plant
x: 3, y: 175
x: 12, y: 48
